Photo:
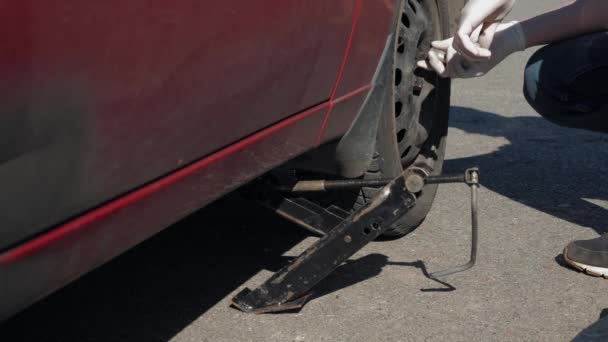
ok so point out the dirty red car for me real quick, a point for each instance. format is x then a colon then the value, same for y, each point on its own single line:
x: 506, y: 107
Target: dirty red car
x: 120, y: 118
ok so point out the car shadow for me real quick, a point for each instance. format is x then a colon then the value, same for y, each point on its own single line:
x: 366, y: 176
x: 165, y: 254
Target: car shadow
x: 556, y: 170
x: 158, y: 288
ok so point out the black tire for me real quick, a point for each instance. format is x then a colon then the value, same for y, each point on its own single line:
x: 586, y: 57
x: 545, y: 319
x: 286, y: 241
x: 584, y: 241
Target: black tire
x: 414, y: 130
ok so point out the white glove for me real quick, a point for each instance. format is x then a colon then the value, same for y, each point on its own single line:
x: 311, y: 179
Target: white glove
x: 447, y: 62
x: 478, y: 23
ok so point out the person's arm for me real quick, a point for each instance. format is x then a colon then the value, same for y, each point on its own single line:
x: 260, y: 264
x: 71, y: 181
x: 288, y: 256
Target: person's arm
x: 483, y: 16
x: 574, y: 19
x: 577, y: 18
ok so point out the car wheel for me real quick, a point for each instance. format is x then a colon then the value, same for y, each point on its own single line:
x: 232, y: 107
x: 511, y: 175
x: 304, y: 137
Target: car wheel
x: 414, y: 130
x: 413, y: 120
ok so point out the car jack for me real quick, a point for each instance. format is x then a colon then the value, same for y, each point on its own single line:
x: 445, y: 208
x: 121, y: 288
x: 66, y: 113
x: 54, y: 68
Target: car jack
x: 343, y: 233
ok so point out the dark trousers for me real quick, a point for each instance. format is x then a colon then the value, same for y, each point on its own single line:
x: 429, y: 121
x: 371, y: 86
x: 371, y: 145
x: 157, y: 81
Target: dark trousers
x: 567, y: 82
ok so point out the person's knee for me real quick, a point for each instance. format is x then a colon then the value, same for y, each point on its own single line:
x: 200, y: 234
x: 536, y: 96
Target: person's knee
x: 540, y: 88
x: 557, y: 86
x: 532, y: 78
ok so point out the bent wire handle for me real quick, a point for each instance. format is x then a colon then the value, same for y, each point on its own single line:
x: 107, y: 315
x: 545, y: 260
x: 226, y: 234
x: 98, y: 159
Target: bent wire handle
x: 474, y: 240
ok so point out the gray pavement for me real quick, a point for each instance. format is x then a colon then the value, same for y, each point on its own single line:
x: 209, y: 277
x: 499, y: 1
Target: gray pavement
x: 543, y: 186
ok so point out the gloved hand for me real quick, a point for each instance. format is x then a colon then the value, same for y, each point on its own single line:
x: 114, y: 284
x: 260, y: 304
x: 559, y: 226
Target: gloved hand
x: 447, y: 62
x: 482, y: 16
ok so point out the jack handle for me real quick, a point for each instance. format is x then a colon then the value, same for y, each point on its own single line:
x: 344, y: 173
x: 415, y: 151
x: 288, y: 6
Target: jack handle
x: 471, y: 178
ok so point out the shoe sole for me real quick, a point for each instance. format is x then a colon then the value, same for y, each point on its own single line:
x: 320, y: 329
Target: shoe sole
x: 588, y: 269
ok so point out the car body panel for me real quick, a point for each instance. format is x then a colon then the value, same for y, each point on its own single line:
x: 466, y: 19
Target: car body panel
x: 100, y: 98
x: 148, y: 174
x: 373, y: 27
x: 32, y: 270
x: 368, y: 43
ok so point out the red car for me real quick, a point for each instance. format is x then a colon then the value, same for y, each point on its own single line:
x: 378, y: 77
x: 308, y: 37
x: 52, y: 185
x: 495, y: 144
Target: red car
x: 122, y: 117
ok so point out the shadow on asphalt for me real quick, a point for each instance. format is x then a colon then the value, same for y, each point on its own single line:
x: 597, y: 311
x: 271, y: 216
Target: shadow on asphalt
x: 157, y: 289
x: 366, y: 267
x: 543, y: 166
x: 420, y: 265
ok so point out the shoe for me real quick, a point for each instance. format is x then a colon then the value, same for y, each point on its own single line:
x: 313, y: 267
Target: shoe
x: 589, y: 256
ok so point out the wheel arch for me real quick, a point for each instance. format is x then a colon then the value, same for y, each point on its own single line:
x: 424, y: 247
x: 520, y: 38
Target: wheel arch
x: 351, y: 154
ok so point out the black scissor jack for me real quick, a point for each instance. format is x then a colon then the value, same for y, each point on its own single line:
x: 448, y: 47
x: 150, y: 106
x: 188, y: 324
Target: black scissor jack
x: 343, y: 233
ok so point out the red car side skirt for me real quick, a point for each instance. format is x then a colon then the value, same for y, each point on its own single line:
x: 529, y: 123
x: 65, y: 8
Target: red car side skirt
x: 342, y: 67
x: 39, y: 266
x: 34, y: 269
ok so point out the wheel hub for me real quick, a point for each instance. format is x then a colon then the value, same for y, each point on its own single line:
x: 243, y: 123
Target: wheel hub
x: 413, y: 88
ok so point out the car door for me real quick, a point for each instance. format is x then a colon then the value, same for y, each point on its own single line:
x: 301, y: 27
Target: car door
x: 101, y: 97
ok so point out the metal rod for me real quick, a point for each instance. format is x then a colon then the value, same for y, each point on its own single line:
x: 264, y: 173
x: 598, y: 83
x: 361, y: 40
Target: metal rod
x: 327, y: 185
x: 474, y: 240
x: 354, y: 184
x: 346, y: 184
x: 445, y: 179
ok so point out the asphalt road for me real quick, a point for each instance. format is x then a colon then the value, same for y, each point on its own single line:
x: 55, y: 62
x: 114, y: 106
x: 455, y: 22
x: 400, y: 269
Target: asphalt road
x: 543, y: 186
